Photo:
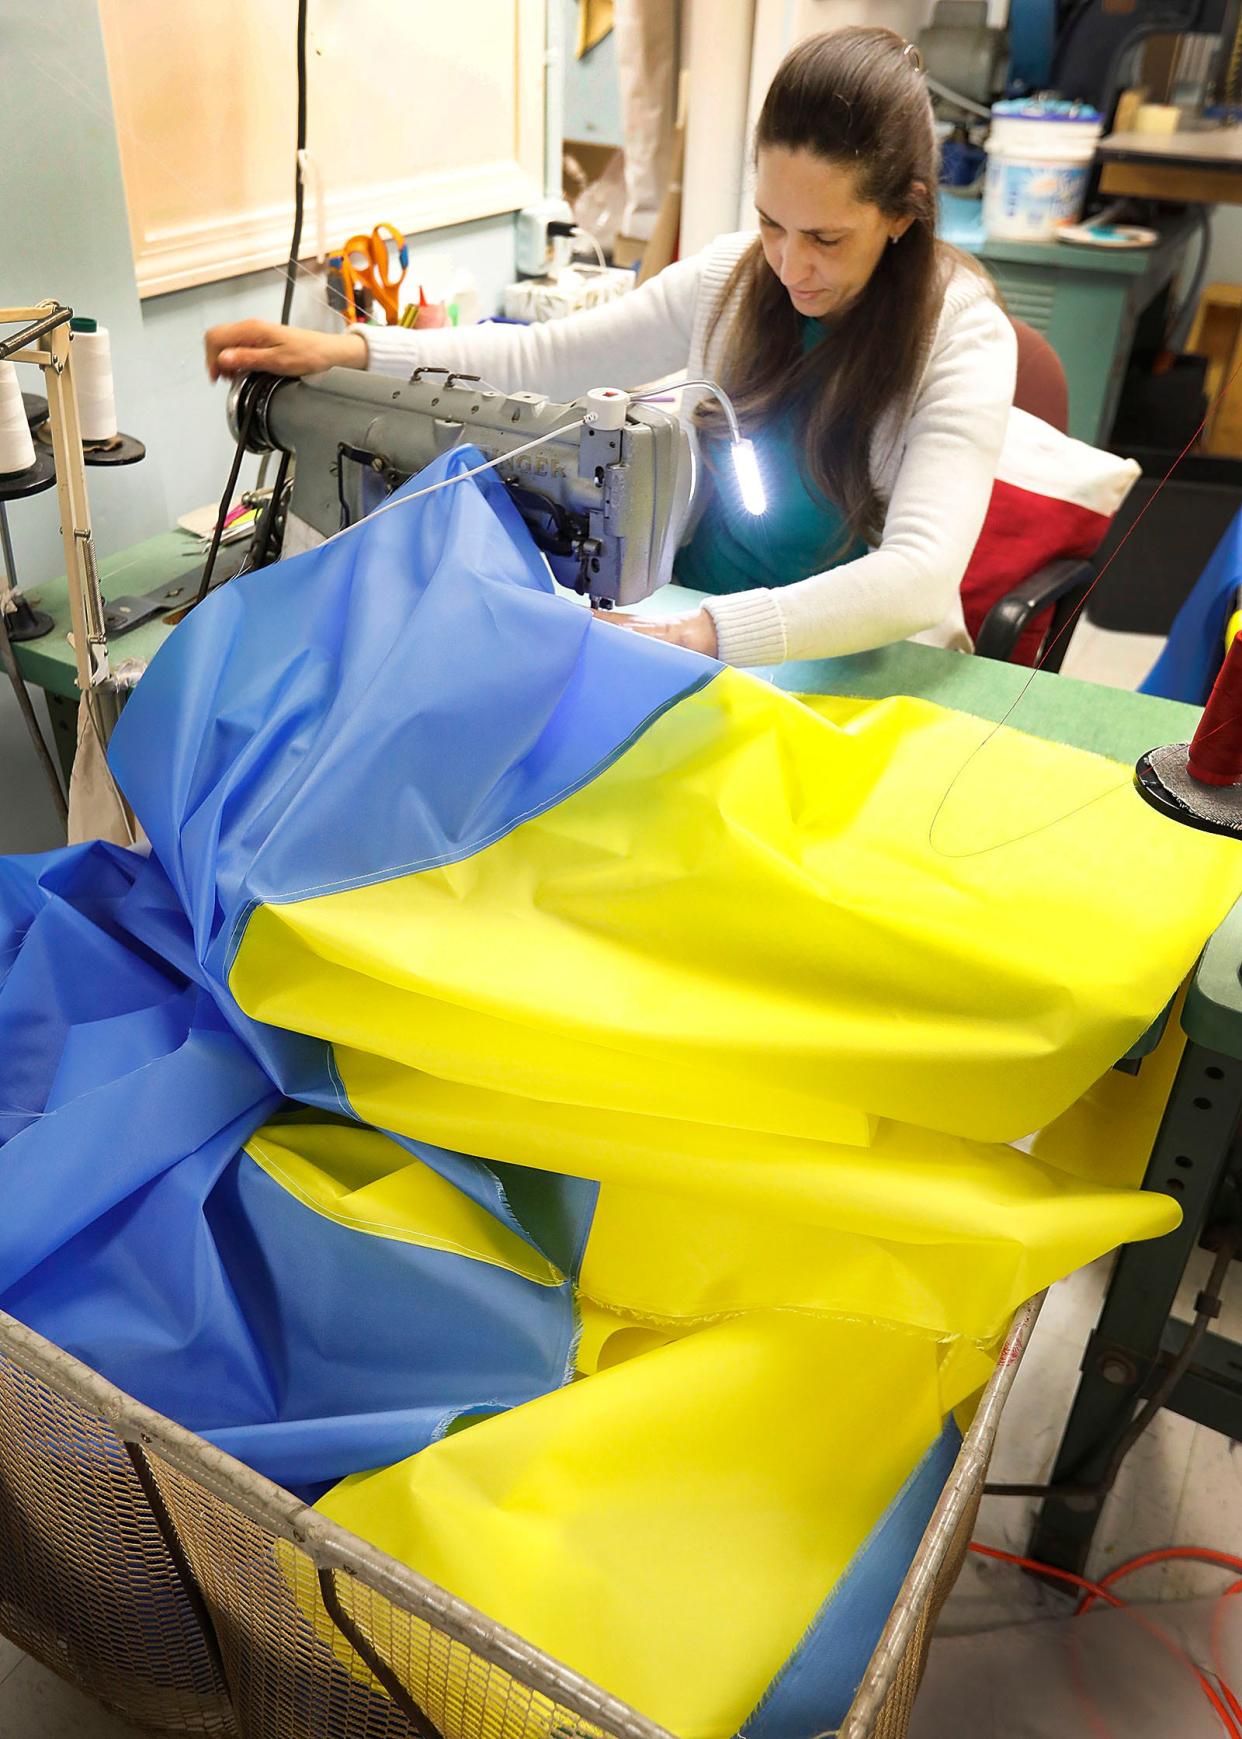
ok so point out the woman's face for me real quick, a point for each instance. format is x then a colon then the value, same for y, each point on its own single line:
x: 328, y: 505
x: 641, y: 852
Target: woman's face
x: 819, y: 239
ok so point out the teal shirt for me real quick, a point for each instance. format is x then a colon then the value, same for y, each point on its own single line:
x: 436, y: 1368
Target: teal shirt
x: 801, y: 533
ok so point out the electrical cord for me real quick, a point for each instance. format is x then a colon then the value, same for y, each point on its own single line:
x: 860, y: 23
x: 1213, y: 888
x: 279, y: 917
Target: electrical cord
x: 1223, y: 1702
x: 951, y: 96
x: 239, y: 453
x: 712, y: 386
x: 286, y: 307
x: 599, y: 252
x: 1179, y: 326
x: 299, y: 188
x: 1164, y: 1555
x: 1207, y: 1309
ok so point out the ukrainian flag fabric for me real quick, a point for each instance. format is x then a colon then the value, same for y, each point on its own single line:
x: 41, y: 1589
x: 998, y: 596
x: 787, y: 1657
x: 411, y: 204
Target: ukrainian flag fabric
x: 549, y: 1097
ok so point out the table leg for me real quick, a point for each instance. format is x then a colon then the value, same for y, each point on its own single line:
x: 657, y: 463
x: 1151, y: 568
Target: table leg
x: 1190, y: 1160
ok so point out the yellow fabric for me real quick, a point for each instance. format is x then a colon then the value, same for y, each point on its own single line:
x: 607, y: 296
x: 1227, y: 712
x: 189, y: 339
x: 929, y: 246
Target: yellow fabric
x: 1233, y: 629
x: 786, y: 978
x: 594, y: 23
x: 1114, y: 1124
x: 801, y: 960
x: 753, y: 883
x: 945, y: 1235
x: 362, y: 1180
x: 671, y: 1526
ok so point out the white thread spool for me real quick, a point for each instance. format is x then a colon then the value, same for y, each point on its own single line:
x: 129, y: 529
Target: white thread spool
x: 609, y: 404
x: 16, y: 447
x: 92, y: 376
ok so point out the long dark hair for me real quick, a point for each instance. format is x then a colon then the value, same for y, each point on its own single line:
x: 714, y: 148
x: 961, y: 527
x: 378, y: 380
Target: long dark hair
x: 857, y: 97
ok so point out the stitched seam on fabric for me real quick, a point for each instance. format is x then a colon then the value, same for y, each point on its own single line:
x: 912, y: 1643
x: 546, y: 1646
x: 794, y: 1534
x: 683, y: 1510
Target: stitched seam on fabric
x: 372, y: 1228
x: 515, y: 1225
x: 417, y: 865
x: 824, y: 1313
x: 334, y: 1075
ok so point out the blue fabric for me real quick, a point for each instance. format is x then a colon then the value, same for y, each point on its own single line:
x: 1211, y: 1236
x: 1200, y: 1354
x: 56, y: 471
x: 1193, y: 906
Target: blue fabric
x: 135, y: 1233
x: 1195, y: 649
x: 801, y: 533
x: 816, y: 1687
x: 335, y: 684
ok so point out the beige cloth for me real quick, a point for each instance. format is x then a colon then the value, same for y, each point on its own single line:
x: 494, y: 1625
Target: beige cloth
x: 96, y: 808
x: 647, y: 70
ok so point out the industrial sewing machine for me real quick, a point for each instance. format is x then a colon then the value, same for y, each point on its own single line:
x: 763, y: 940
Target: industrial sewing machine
x: 605, y: 503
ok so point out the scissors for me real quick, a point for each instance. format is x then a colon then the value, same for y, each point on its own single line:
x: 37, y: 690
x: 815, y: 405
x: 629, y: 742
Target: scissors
x: 367, y: 263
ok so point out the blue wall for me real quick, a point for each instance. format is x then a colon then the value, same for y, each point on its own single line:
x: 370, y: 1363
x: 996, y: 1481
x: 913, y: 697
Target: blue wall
x: 591, y: 94
x: 65, y: 233
x: 185, y: 429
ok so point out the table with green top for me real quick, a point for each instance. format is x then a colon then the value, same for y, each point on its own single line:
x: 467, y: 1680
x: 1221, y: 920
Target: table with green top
x: 48, y: 663
x: 1086, y: 301
x: 1193, y: 1155
x: 1106, y: 720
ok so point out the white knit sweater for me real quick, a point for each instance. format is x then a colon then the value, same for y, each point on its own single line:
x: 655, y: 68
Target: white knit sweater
x: 933, y: 469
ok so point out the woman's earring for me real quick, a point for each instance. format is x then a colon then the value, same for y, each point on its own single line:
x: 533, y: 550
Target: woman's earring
x: 893, y: 240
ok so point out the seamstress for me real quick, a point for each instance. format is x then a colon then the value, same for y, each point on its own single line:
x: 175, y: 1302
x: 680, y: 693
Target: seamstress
x: 869, y: 362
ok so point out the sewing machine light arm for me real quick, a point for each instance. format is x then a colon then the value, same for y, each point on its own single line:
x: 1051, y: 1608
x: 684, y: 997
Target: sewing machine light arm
x: 745, y: 459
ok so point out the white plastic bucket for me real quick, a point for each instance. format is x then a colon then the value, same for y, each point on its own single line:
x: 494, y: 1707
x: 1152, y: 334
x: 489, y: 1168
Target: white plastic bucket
x: 1038, y: 165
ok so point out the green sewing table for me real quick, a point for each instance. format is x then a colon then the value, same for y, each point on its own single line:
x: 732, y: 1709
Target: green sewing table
x: 1086, y: 301
x: 48, y: 663
x: 1192, y: 1158
x: 1108, y: 721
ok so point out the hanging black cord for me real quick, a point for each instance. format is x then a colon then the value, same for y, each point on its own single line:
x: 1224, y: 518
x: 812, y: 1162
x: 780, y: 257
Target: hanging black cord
x: 1207, y: 1308
x: 239, y: 453
x: 263, y: 550
x: 295, y: 248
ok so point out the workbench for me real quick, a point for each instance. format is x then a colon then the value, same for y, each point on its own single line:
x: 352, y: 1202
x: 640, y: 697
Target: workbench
x: 1193, y: 1157
x: 1191, y: 168
x: 1105, y: 720
x: 1086, y: 301
x: 48, y: 663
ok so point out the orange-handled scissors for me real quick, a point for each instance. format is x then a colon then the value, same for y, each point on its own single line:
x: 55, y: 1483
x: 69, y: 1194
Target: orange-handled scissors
x: 378, y: 262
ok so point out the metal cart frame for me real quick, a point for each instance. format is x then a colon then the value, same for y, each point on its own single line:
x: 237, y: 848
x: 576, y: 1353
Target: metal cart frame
x: 190, y: 1595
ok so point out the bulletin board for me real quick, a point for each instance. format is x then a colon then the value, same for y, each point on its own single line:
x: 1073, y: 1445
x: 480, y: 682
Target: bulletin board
x: 420, y: 114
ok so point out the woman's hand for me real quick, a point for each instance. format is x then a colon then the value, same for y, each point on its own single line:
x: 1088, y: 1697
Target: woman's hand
x: 697, y: 632
x: 265, y: 347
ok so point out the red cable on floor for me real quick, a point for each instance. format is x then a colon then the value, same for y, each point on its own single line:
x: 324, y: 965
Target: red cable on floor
x: 1099, y: 1591
x: 1194, y: 1554
x: 1214, y: 1645
x: 1166, y: 1554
